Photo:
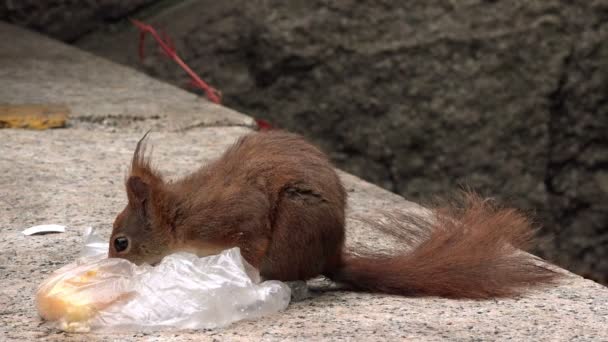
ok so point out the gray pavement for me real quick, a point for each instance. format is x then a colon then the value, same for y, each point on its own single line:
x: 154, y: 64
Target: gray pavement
x: 74, y: 176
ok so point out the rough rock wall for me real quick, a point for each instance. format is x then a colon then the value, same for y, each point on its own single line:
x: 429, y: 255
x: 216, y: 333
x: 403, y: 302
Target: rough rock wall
x: 67, y: 19
x: 509, y: 98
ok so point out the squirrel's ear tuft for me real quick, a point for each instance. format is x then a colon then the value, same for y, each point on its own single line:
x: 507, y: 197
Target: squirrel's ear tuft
x: 137, y: 190
x: 141, y: 165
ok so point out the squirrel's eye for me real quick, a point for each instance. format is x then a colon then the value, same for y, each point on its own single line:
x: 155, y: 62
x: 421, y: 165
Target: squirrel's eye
x: 121, y: 244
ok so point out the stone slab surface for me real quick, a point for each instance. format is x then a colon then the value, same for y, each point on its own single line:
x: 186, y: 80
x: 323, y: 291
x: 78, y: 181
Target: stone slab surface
x: 38, y: 70
x: 74, y: 176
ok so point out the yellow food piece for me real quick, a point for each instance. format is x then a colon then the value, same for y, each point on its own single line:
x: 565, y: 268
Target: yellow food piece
x: 33, y: 116
x: 53, y: 309
x: 62, y: 301
x: 73, y: 301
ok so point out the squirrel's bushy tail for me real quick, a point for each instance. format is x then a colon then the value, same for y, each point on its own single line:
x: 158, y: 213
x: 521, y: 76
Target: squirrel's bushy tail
x: 474, y: 251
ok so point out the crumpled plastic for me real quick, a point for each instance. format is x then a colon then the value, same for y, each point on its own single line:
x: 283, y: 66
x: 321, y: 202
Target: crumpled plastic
x: 182, y: 292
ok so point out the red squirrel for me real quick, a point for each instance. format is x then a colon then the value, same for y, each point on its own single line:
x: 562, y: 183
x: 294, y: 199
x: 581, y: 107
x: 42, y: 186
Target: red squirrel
x: 279, y: 199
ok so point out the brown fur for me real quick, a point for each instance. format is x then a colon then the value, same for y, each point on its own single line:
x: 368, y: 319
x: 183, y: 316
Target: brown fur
x: 474, y: 251
x: 278, y: 198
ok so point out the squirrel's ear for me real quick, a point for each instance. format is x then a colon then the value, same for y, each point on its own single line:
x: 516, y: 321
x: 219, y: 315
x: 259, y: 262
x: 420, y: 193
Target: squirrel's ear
x: 138, y: 191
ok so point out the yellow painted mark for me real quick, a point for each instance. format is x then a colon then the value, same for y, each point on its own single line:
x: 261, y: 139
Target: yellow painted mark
x: 33, y: 116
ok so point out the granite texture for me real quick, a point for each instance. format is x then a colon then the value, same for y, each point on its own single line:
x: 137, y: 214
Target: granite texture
x: 68, y: 19
x: 74, y: 176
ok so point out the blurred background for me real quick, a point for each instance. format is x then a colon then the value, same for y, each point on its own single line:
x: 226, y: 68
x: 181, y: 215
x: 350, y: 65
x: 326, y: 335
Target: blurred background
x: 508, y: 98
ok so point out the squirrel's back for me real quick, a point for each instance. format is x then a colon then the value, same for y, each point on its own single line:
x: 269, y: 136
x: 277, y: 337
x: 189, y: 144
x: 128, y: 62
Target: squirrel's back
x: 275, y: 160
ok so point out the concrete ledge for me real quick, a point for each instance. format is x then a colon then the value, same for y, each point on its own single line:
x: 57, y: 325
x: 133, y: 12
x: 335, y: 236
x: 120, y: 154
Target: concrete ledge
x: 74, y: 176
x: 38, y: 70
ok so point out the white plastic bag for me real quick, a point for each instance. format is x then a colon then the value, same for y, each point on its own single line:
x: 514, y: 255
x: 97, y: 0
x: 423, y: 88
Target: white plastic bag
x: 182, y: 292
